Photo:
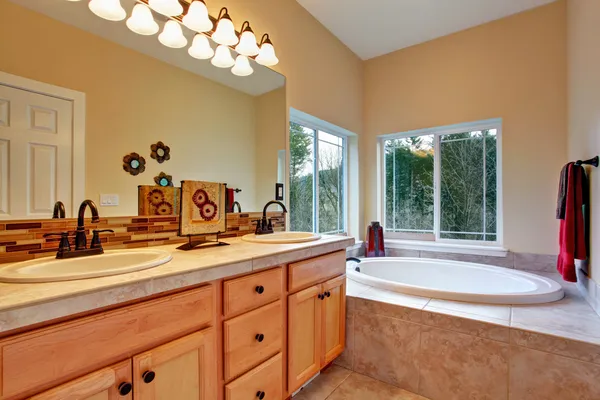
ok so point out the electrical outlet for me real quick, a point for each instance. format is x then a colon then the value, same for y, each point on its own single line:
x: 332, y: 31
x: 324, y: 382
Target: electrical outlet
x: 109, y: 200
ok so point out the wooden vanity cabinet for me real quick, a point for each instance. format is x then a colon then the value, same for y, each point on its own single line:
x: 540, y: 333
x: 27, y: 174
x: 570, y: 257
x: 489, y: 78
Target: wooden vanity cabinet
x: 316, y: 329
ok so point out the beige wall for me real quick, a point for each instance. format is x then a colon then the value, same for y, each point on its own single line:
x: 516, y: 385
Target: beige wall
x: 514, y: 69
x: 133, y: 101
x: 584, y: 102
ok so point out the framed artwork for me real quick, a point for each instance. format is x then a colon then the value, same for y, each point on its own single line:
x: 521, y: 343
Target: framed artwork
x: 158, y: 200
x: 202, y: 209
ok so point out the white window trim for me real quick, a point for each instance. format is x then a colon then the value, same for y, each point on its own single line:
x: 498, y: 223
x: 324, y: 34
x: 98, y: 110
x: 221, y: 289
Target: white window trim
x: 316, y: 124
x: 448, y: 244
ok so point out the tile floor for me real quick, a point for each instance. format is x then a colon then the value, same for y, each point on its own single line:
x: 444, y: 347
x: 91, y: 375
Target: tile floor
x: 337, y: 383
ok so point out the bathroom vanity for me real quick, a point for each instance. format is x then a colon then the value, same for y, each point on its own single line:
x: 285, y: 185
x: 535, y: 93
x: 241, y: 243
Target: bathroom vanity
x: 259, y: 334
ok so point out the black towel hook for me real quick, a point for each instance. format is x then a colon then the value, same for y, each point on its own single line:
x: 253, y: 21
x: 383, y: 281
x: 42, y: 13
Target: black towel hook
x: 592, y: 161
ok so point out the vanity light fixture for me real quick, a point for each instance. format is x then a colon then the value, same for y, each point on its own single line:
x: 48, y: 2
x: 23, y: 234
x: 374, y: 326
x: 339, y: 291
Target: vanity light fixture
x: 267, y: 56
x: 222, y: 58
x: 242, y: 66
x: 141, y: 20
x: 172, y: 35
x: 108, y: 9
x: 225, y: 32
x: 247, y: 45
x: 169, y: 8
x: 197, y: 18
x: 200, y: 48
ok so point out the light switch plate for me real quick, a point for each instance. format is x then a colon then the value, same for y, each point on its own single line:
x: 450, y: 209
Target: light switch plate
x: 109, y: 200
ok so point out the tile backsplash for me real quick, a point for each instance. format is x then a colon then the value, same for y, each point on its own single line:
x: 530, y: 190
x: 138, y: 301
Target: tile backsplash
x: 24, y: 240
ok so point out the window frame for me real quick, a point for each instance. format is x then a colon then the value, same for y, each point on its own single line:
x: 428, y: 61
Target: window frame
x: 317, y: 125
x: 437, y: 132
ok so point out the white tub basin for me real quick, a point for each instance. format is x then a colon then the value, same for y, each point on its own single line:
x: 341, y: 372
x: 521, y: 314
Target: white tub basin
x: 282, y: 237
x: 112, y: 262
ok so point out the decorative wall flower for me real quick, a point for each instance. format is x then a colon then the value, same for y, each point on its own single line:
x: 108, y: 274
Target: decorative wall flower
x: 160, y: 152
x: 163, y: 179
x: 134, y: 164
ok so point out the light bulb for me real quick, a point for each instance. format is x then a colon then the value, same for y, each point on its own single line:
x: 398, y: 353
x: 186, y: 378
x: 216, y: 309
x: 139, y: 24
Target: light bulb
x: 170, y: 8
x: 225, y: 32
x: 108, y: 9
x: 222, y: 58
x: 197, y: 17
x: 141, y: 20
x: 200, y: 48
x: 242, y: 66
x: 267, y: 56
x: 172, y: 36
x: 247, y: 45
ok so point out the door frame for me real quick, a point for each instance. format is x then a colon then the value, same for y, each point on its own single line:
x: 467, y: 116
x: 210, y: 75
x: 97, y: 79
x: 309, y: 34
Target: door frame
x: 77, y: 100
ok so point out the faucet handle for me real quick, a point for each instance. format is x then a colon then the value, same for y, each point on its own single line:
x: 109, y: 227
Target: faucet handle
x: 96, y: 244
x: 258, y: 230
x: 64, y: 244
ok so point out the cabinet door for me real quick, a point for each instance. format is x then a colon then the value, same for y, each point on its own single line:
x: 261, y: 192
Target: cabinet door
x: 112, y: 383
x: 304, y: 336
x: 334, y: 319
x: 184, y: 369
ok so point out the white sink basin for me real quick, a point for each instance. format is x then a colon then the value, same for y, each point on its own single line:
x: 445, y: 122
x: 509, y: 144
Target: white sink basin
x: 282, y: 237
x: 112, y: 262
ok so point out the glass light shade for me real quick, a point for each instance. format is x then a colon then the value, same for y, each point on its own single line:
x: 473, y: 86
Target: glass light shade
x: 200, y: 48
x: 141, y: 20
x: 247, y: 45
x: 267, y: 56
x: 197, y: 19
x: 222, y: 58
x: 170, y: 8
x: 225, y: 32
x: 108, y: 9
x: 242, y: 66
x: 172, y: 36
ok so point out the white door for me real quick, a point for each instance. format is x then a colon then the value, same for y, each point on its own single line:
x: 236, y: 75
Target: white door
x: 36, y: 141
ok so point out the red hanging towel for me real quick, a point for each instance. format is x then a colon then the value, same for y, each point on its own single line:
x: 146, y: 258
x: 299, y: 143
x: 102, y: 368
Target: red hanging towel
x: 230, y: 200
x: 572, y: 227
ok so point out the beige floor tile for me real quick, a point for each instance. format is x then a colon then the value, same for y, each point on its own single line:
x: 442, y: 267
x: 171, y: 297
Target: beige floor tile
x: 360, y: 387
x: 324, y: 384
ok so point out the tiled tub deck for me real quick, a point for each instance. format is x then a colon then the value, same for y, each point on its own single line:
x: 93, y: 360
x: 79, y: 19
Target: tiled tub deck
x: 445, y: 350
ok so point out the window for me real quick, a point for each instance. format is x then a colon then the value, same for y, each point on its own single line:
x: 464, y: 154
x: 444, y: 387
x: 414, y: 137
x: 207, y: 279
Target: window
x: 443, y: 184
x: 317, y: 180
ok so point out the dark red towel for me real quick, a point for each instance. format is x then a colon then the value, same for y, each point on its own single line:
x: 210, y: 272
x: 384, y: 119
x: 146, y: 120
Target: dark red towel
x: 572, y: 227
x: 230, y: 200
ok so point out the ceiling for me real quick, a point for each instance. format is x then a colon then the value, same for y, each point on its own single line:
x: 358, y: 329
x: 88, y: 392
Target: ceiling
x: 371, y: 28
x: 77, y: 13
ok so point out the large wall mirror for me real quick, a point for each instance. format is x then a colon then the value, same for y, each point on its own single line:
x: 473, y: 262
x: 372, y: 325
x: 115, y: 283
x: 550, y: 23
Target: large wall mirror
x: 78, y: 94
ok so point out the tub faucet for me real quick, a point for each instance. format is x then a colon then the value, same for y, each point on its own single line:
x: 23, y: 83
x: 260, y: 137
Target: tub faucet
x: 265, y: 225
x: 59, y: 210
x: 80, y: 239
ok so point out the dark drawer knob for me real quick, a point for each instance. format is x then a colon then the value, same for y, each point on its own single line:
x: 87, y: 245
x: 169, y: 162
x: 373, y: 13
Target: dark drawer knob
x: 148, y: 376
x: 260, y: 289
x: 328, y: 294
x: 260, y: 395
x: 320, y: 296
x: 125, y: 388
x: 260, y: 337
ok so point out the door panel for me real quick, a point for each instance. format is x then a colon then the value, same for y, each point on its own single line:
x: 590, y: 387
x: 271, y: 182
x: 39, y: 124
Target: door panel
x: 334, y: 319
x: 184, y: 369
x: 100, y: 385
x: 36, y: 132
x: 304, y: 336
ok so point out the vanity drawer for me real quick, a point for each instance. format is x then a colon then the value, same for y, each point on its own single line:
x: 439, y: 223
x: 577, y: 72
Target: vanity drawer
x: 251, y: 291
x: 44, y: 358
x: 267, y: 378
x: 308, y: 272
x: 244, y: 349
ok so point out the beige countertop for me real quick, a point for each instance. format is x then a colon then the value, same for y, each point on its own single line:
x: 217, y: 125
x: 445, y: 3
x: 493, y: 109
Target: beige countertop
x: 26, y: 304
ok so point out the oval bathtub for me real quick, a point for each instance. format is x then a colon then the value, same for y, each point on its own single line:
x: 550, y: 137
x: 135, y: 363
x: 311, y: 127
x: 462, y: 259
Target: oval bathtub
x: 455, y: 280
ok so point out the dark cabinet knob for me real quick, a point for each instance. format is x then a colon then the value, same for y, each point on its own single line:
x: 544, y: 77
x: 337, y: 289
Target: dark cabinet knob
x: 260, y: 395
x: 328, y: 294
x: 320, y: 296
x: 148, y: 376
x: 125, y: 388
x: 260, y: 289
x: 260, y: 337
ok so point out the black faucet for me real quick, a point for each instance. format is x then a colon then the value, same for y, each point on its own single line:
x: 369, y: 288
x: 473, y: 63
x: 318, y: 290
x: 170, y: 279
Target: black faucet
x: 81, y: 250
x: 59, y: 210
x: 235, y: 203
x: 265, y: 226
